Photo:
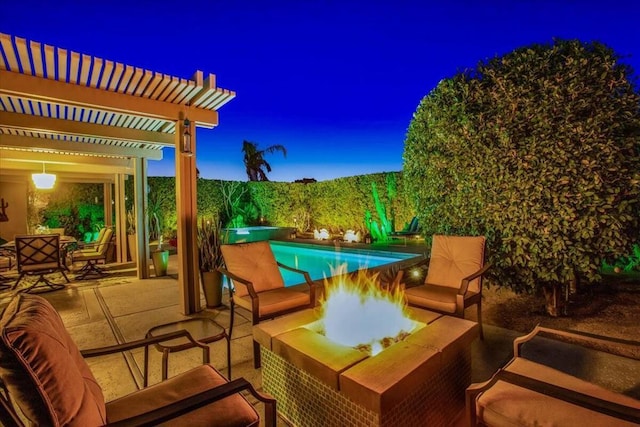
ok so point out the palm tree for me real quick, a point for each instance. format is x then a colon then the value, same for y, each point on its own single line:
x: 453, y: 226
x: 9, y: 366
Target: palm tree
x: 254, y: 161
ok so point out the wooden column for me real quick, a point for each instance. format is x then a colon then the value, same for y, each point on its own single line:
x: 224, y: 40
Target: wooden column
x: 187, y: 212
x: 142, y: 229
x: 121, y: 218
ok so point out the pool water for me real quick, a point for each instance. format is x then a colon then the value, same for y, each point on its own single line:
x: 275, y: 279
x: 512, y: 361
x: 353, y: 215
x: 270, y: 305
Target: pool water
x: 318, y: 260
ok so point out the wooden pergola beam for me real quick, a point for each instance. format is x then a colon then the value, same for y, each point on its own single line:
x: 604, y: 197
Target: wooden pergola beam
x: 62, y: 93
x: 51, y: 125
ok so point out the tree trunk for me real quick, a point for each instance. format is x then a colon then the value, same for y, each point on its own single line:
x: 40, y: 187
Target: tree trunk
x: 555, y: 296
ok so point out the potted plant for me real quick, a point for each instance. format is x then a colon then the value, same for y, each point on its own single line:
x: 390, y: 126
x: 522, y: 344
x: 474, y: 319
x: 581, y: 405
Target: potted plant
x: 131, y: 235
x: 210, y: 239
x: 160, y: 255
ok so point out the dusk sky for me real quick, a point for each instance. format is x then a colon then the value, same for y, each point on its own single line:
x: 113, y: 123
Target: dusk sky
x: 335, y: 82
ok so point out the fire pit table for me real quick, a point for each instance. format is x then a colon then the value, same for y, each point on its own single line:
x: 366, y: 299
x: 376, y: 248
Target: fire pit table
x: 420, y: 380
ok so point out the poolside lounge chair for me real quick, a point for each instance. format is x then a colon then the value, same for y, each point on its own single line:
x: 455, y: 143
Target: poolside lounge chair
x: 411, y: 231
x: 93, y: 253
x: 454, y: 277
x: 44, y: 374
x: 257, y: 285
x: 531, y: 391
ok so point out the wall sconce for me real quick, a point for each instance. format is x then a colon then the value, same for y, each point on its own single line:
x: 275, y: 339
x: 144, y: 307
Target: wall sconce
x: 186, y: 139
x: 43, y: 181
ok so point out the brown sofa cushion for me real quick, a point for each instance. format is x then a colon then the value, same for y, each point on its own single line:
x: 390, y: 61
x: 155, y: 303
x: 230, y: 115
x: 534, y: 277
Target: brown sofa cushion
x: 506, y: 404
x: 230, y: 411
x: 440, y: 298
x: 43, y: 369
x: 254, y: 262
x: 453, y: 258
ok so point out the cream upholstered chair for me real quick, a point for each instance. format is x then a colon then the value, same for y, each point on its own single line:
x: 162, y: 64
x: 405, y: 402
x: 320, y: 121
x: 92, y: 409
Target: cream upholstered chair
x: 44, y: 374
x: 93, y: 253
x: 258, y: 285
x: 530, y: 390
x: 454, y: 277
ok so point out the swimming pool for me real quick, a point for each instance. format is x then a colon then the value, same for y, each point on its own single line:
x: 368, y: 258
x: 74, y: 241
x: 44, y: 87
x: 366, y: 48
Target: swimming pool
x: 318, y: 260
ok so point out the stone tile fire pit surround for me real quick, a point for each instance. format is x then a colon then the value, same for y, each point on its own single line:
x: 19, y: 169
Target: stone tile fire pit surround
x: 418, y: 381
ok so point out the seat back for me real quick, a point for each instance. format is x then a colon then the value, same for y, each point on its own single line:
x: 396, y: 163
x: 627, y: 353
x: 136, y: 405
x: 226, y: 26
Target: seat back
x: 453, y: 258
x: 104, y: 242
x: 101, y: 234
x: 254, y: 262
x: 43, y: 369
x: 37, y: 252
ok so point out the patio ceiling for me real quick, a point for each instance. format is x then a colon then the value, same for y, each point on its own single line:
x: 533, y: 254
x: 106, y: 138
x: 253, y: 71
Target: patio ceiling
x: 88, y: 117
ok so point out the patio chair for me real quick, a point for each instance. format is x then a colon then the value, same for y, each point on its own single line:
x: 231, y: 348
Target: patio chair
x: 410, y: 231
x: 6, y: 263
x: 454, y: 277
x: 550, y: 392
x: 39, y: 255
x: 257, y: 285
x: 45, y: 380
x: 91, y: 254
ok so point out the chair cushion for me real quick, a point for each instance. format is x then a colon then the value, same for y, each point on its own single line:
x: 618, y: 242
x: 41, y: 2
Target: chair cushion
x: 230, y: 411
x: 506, y: 404
x: 43, y: 369
x: 254, y: 262
x: 275, y: 301
x: 439, y: 298
x: 453, y: 258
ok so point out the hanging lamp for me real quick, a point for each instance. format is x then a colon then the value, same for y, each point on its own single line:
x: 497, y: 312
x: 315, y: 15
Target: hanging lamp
x: 44, y: 180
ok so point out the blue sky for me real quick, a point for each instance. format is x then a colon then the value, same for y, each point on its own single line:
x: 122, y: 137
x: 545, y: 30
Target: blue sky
x: 335, y: 82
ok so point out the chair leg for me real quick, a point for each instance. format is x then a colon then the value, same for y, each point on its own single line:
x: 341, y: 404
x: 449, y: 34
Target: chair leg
x: 480, y: 319
x: 256, y: 355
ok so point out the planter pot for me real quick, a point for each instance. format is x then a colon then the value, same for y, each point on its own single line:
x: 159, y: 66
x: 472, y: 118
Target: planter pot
x: 160, y: 262
x: 131, y: 245
x: 212, y: 287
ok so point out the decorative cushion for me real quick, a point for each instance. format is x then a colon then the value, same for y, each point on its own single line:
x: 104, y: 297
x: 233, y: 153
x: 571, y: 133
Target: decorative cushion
x: 254, y: 262
x: 453, y: 258
x: 506, y: 404
x: 43, y: 369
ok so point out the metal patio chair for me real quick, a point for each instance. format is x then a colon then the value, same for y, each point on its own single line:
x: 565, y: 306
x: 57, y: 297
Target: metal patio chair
x: 39, y: 255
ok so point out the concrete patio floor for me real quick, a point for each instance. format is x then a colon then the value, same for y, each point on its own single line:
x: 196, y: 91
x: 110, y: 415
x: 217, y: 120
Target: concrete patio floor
x: 122, y: 308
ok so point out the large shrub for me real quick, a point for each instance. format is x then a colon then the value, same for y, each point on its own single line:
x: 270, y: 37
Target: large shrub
x: 539, y: 150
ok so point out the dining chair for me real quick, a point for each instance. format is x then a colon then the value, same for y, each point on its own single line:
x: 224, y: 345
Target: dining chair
x: 39, y: 255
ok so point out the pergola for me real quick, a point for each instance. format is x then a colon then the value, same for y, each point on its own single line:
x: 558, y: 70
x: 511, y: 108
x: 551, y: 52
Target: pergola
x: 95, y: 120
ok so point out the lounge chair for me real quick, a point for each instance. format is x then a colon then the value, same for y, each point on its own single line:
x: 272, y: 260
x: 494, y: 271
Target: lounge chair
x: 529, y: 392
x: 454, y: 278
x: 44, y: 374
x: 92, y: 254
x: 409, y: 232
x: 257, y: 285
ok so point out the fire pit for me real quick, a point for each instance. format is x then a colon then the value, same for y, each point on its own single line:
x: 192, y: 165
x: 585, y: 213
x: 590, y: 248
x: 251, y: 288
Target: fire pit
x: 416, y: 378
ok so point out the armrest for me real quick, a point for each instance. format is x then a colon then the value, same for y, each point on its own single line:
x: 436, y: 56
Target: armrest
x: 307, y: 278
x: 199, y: 400
x: 237, y: 278
x: 466, y: 280
x: 145, y: 342
x: 612, y: 409
x: 619, y: 347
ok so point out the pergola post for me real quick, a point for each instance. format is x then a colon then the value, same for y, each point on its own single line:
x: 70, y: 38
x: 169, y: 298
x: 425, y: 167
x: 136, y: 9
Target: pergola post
x: 121, y: 218
x: 142, y: 230
x: 187, y: 212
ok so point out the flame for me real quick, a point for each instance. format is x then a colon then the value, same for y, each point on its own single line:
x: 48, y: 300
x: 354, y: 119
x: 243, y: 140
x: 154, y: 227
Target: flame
x: 356, y: 312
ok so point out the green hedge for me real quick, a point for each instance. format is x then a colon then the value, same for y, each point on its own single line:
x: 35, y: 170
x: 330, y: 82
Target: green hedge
x: 539, y: 150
